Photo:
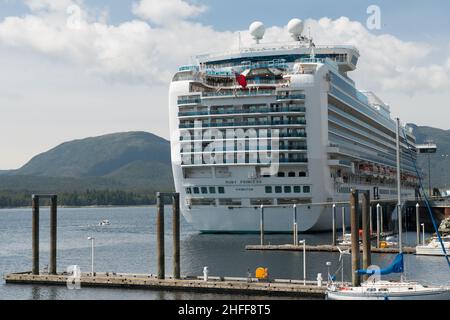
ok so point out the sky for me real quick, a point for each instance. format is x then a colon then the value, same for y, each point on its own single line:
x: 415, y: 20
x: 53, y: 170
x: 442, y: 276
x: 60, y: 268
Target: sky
x: 70, y: 69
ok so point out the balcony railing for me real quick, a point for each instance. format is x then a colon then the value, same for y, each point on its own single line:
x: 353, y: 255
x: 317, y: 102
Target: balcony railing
x: 291, y: 97
x: 189, y: 101
x: 302, y: 161
x: 240, y: 111
x: 243, y: 124
x: 269, y: 135
x: 247, y: 148
x: 238, y: 93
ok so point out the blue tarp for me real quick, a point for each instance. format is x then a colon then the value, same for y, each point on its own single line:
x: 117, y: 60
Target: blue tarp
x: 395, y: 267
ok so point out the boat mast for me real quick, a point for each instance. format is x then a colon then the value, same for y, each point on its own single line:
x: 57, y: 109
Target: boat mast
x: 399, y: 184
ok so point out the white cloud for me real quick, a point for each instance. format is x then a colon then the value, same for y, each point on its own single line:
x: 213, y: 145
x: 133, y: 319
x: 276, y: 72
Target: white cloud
x: 136, y: 51
x: 131, y: 51
x: 448, y: 64
x: 167, y: 11
x: 386, y: 62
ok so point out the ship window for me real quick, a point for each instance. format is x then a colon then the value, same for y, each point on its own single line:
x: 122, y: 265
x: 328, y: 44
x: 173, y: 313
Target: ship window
x: 302, y: 174
x: 291, y: 174
x: 258, y: 202
x: 278, y: 189
x: 212, y: 190
x: 188, y: 190
x: 221, y: 190
x: 268, y: 189
x: 230, y: 202
x: 196, y: 190
x: 306, y: 189
x: 287, y: 189
x: 182, y: 76
x: 204, y: 190
x: 280, y: 174
x: 297, y: 189
x: 203, y: 202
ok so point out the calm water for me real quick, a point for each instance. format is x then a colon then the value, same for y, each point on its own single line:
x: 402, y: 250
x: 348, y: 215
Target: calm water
x: 129, y: 245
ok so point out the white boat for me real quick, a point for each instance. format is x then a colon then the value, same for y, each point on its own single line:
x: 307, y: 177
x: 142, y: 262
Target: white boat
x: 434, y: 248
x: 104, y: 223
x: 346, y: 241
x: 388, y: 290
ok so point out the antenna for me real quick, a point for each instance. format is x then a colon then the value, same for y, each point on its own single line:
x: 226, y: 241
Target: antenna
x: 295, y: 28
x: 257, y: 30
x: 239, y: 41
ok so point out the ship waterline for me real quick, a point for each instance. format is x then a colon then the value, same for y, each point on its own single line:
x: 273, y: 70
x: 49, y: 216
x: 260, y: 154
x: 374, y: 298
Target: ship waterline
x: 276, y: 126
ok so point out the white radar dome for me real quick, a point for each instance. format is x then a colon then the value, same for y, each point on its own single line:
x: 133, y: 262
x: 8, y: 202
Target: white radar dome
x: 295, y: 28
x: 257, y: 30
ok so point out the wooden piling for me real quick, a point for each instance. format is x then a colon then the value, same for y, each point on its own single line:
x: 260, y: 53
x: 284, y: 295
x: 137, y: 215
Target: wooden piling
x: 378, y: 224
x: 354, y: 221
x: 176, y: 235
x: 35, y: 235
x: 294, y: 225
x: 366, y: 237
x: 417, y: 224
x: 261, y: 225
x: 53, y: 233
x: 334, y: 225
x: 160, y: 234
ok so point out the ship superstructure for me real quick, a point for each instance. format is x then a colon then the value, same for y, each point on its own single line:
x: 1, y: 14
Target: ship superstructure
x: 278, y: 125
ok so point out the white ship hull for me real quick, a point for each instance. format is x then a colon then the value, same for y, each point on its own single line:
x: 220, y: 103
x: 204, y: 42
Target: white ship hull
x: 276, y: 220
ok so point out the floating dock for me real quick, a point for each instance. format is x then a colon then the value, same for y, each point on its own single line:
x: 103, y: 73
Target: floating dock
x: 324, y: 248
x: 243, y: 286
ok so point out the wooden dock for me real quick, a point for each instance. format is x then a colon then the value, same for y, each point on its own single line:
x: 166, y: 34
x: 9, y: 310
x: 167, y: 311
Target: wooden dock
x: 275, y: 287
x: 324, y: 248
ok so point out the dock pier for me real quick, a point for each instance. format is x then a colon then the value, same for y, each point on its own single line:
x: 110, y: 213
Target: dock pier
x: 244, y: 286
x: 324, y: 248
x: 178, y: 282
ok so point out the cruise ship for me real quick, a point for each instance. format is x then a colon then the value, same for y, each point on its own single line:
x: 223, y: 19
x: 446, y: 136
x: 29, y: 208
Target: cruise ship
x: 280, y: 125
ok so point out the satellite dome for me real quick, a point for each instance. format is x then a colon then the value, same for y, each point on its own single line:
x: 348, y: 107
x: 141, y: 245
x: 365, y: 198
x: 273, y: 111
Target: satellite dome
x: 257, y: 30
x: 295, y: 28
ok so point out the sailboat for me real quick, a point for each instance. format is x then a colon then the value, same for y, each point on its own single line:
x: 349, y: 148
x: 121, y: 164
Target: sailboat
x: 375, y: 288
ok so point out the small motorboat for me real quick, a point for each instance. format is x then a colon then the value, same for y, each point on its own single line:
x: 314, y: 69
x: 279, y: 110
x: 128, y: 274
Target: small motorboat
x: 346, y: 240
x: 104, y: 223
x: 434, y: 248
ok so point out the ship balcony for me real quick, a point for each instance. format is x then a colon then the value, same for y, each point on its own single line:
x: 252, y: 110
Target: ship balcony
x: 183, y: 114
x: 294, y: 162
x: 247, y: 149
x: 301, y: 123
x: 291, y: 97
x: 285, y: 136
x: 340, y: 163
x: 228, y: 94
x: 191, y: 101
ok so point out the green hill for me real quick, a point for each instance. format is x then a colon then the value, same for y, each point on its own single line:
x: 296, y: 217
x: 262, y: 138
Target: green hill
x: 98, y: 156
x: 129, y: 165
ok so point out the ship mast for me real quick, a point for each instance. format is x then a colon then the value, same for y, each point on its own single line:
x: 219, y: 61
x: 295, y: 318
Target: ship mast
x: 399, y: 184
